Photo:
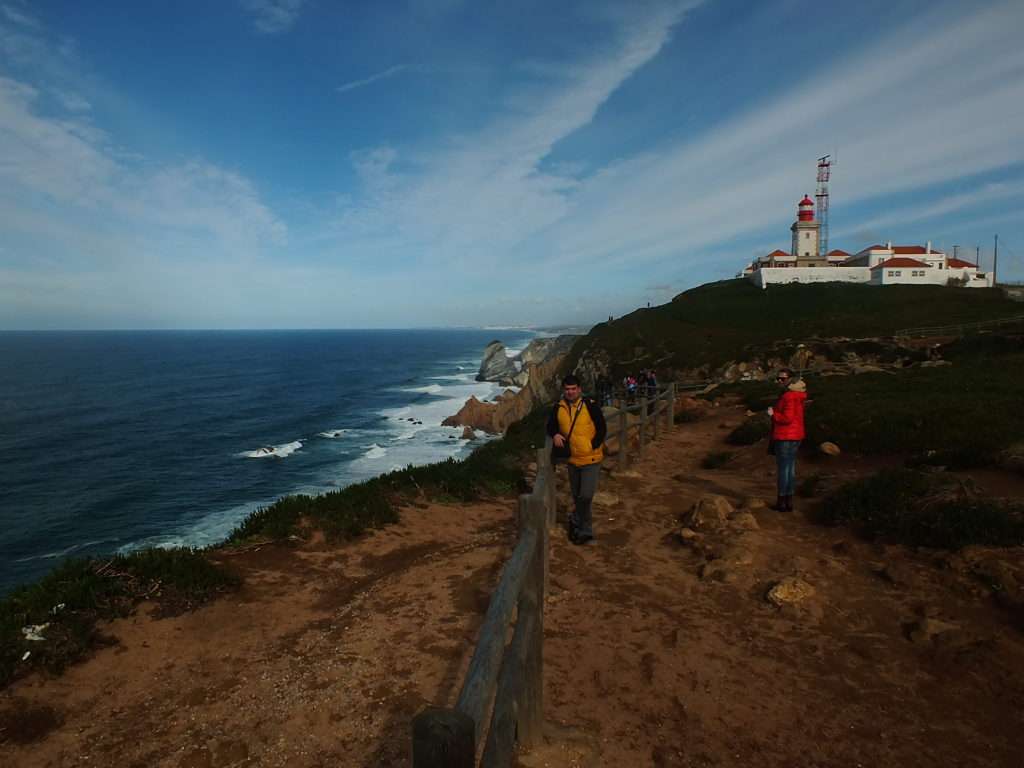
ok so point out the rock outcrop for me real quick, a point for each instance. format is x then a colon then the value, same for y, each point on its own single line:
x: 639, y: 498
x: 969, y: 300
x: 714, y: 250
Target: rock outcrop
x: 497, y: 365
x: 514, y: 371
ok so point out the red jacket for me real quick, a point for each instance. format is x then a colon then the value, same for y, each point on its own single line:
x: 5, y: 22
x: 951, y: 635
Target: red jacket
x: 788, y: 414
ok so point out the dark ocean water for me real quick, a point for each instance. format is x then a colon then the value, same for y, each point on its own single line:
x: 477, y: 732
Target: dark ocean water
x: 114, y: 440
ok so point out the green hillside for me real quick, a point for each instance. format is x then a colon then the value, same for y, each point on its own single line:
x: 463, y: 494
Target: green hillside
x: 714, y: 323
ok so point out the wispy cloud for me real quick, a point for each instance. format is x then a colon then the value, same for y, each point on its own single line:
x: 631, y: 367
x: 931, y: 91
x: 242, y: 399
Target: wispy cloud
x: 273, y: 16
x: 19, y: 15
x: 389, y: 72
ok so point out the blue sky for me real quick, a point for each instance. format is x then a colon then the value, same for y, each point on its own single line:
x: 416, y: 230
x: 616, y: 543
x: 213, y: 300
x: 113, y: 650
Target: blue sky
x: 309, y: 164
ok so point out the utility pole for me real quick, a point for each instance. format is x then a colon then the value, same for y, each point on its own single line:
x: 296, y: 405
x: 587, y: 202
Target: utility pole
x: 977, y: 255
x: 995, y: 261
x: 956, y: 251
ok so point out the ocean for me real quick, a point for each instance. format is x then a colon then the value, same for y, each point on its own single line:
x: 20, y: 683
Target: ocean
x: 110, y: 441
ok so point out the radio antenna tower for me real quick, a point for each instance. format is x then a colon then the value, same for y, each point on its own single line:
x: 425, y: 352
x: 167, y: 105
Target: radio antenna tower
x: 821, y: 198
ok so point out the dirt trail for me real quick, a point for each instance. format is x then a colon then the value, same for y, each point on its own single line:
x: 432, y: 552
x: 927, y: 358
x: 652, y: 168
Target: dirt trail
x: 656, y: 653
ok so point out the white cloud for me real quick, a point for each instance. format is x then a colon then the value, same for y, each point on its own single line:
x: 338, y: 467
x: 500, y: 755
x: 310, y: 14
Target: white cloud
x: 273, y: 16
x: 389, y: 72
x: 939, y: 100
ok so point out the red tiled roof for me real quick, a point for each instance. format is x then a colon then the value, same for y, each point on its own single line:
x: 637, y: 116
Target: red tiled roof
x: 837, y: 252
x: 907, y: 249
x: 960, y: 264
x: 777, y: 252
x: 898, y: 261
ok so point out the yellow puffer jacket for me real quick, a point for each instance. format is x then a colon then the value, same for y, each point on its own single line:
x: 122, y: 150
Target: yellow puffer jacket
x: 585, y: 434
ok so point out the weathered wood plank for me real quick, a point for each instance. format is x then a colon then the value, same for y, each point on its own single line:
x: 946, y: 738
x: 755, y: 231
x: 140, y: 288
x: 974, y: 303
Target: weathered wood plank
x: 502, y: 736
x: 478, y: 687
x: 443, y: 738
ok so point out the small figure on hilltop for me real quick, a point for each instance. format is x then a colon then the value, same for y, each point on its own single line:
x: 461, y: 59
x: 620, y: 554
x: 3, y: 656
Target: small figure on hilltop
x: 787, y: 431
x: 577, y: 423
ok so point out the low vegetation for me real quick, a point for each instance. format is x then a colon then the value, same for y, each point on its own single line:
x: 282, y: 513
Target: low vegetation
x: 925, y: 510
x: 715, y: 323
x: 717, y: 459
x: 52, y: 623
x: 960, y: 416
x: 752, y: 430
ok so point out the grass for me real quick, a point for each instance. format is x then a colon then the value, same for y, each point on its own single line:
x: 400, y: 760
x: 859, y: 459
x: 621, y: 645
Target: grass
x: 717, y: 459
x: 79, y: 593
x: 922, y: 510
x: 718, y: 322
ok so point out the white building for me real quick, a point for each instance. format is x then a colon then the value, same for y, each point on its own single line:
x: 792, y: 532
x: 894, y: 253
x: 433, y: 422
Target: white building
x: 875, y: 265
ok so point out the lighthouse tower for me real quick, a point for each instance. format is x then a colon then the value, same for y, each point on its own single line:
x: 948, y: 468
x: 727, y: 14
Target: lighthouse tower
x: 805, y: 236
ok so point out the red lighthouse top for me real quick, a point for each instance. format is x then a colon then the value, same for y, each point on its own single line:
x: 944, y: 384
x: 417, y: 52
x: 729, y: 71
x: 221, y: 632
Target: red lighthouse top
x: 806, y: 210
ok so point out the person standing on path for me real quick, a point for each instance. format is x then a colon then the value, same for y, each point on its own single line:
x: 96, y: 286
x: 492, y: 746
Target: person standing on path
x: 787, y: 431
x: 578, y: 422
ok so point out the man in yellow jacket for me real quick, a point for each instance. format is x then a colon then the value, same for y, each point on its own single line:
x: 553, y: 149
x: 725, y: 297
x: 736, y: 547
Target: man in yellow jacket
x: 577, y: 422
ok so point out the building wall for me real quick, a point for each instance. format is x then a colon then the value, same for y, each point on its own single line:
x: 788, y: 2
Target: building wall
x: 805, y: 240
x: 762, y: 278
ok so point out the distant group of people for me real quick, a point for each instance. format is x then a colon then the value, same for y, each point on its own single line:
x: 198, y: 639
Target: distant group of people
x: 577, y: 428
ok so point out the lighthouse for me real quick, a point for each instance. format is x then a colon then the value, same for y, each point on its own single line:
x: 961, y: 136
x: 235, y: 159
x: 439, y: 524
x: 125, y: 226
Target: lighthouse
x: 805, y: 236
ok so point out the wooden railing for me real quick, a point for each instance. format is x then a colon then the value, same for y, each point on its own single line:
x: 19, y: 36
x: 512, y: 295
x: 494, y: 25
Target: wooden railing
x: 501, y: 701
x: 649, y: 412
x: 959, y: 329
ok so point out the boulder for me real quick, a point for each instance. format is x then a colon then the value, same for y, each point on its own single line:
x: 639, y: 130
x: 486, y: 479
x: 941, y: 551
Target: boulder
x: 496, y: 365
x: 744, y: 521
x: 829, y: 449
x: 467, y: 433
x: 474, y: 414
x: 928, y: 628
x: 541, y: 350
x: 790, y: 591
x: 708, y: 513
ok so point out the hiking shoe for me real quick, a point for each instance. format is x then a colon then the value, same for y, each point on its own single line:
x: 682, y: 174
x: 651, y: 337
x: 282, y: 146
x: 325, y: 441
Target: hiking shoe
x: 581, y: 541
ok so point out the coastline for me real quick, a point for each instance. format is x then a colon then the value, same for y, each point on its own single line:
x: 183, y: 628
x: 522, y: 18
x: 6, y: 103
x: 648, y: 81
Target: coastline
x: 206, y: 478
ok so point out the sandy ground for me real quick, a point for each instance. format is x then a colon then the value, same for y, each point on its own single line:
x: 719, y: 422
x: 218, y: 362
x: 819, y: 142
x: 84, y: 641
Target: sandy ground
x: 657, y: 653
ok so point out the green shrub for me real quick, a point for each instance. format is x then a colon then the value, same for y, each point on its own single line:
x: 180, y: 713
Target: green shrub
x: 752, y: 430
x: 917, y: 509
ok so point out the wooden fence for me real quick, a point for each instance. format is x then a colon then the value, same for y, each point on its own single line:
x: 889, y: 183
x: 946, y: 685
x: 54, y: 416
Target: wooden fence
x: 501, y: 701
x: 960, y: 329
x: 649, y: 412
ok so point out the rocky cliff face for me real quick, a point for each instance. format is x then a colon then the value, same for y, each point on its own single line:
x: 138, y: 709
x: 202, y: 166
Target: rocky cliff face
x: 542, y: 386
x: 497, y: 365
x: 514, y: 371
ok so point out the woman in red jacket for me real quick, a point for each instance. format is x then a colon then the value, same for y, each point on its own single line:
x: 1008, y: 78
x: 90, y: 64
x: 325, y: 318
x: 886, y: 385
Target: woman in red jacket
x: 787, y: 432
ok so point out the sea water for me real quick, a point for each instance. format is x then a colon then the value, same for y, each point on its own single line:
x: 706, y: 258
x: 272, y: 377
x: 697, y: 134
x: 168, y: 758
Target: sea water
x: 110, y: 441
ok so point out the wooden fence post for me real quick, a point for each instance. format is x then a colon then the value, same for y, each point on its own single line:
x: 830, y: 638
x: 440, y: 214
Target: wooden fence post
x: 655, y: 414
x: 443, y: 738
x: 623, y: 441
x: 670, y: 416
x: 643, y: 425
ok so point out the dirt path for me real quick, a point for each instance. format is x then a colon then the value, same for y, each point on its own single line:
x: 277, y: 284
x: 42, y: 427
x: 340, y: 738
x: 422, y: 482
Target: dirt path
x: 656, y: 653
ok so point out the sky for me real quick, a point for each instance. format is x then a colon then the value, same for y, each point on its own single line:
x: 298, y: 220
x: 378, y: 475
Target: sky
x: 436, y: 163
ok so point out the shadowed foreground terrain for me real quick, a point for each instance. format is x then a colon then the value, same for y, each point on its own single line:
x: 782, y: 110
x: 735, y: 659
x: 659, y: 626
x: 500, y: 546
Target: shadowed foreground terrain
x: 657, y: 653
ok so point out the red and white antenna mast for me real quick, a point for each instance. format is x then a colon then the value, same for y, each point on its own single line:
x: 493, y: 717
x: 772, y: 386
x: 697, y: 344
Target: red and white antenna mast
x: 821, y: 198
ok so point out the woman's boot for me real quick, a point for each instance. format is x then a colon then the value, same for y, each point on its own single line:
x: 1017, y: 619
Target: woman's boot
x: 788, y: 501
